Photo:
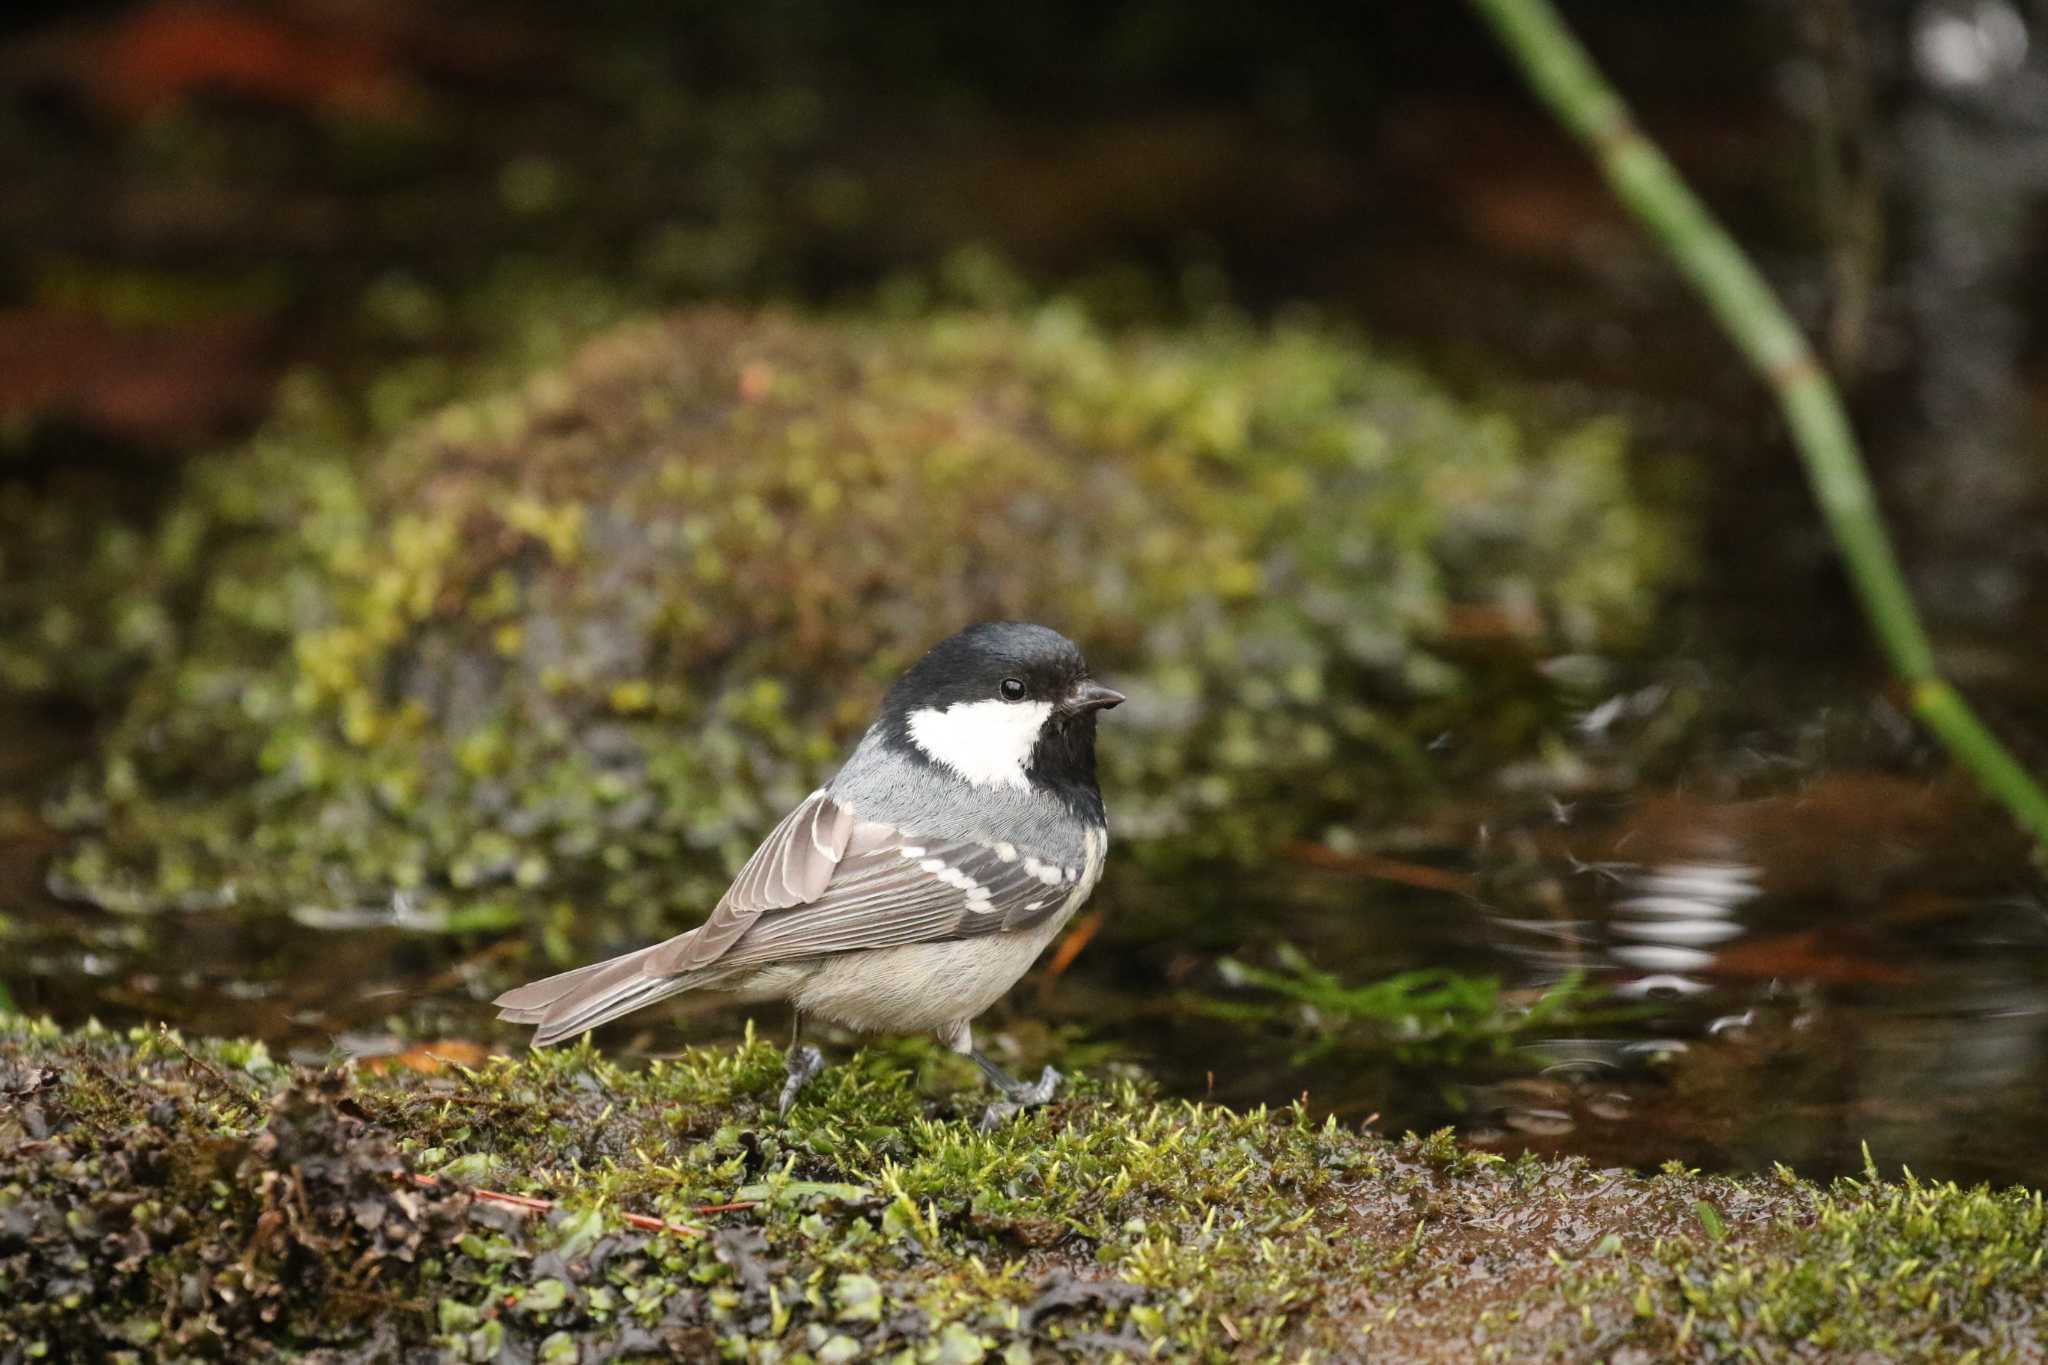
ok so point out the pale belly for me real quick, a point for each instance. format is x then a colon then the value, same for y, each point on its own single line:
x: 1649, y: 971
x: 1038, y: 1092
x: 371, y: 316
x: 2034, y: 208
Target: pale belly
x: 922, y: 986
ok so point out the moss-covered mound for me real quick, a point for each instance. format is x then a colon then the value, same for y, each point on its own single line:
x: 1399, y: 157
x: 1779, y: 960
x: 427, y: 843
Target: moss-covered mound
x: 197, y: 1201
x: 582, y: 638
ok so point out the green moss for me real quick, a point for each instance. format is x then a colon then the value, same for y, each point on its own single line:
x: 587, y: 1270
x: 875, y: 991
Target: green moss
x: 578, y: 639
x: 1892, y: 1271
x: 195, y: 1198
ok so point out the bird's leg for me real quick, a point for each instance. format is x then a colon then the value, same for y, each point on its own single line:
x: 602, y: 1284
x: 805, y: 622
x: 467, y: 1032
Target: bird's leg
x: 802, y: 1063
x: 1017, y: 1096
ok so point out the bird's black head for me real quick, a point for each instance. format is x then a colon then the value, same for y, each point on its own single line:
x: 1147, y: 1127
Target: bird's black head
x: 1003, y: 703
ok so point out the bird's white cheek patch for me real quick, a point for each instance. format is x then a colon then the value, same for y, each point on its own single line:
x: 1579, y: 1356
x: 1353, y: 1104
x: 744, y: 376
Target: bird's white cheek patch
x: 987, y: 742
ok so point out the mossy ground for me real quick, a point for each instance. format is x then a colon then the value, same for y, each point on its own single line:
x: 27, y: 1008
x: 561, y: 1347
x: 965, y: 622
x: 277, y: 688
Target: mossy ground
x: 169, y: 1199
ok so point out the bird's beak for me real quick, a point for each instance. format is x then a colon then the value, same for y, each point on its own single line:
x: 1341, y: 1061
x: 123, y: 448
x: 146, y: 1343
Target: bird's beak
x: 1093, y: 696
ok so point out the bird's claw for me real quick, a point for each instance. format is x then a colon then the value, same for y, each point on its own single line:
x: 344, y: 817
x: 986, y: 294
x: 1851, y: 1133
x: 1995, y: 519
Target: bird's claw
x: 803, y: 1065
x: 1041, y: 1091
x: 1017, y: 1097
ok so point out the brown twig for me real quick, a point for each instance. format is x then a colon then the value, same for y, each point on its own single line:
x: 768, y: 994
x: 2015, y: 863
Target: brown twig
x: 1385, y: 869
x: 736, y: 1206
x: 255, y: 1106
x: 453, y: 975
x: 527, y: 1203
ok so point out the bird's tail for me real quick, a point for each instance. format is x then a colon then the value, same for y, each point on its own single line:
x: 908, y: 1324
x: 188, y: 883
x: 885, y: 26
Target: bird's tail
x: 574, y: 1002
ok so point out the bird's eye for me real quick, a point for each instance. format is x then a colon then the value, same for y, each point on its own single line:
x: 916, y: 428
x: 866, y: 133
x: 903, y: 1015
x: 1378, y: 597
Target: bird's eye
x: 1013, y: 689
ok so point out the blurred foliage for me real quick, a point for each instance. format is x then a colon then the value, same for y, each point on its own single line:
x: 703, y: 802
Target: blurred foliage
x: 1429, y: 1016
x: 559, y: 651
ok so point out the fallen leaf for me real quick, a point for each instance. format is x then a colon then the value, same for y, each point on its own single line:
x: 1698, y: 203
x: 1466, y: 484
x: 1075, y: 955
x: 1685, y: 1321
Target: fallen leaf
x: 429, y: 1059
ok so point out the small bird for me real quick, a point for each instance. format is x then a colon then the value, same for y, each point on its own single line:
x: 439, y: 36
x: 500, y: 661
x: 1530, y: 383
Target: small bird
x: 912, y: 890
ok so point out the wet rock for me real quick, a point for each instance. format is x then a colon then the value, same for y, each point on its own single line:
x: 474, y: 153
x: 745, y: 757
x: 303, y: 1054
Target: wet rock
x: 586, y: 636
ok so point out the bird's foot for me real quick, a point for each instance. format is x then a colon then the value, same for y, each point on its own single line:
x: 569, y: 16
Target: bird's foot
x: 1017, y: 1095
x: 803, y: 1065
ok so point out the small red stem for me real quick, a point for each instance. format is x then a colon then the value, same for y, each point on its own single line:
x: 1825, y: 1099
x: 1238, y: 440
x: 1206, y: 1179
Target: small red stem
x: 527, y: 1203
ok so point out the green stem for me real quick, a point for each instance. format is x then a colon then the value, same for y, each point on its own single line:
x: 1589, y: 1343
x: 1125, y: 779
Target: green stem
x: 1566, y: 80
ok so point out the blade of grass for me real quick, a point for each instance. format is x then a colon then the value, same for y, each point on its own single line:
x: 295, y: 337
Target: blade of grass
x: 1565, y: 78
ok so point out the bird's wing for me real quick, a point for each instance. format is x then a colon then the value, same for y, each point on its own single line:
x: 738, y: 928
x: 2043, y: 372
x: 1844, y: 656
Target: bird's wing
x: 826, y: 881
x: 793, y: 866
x: 909, y: 890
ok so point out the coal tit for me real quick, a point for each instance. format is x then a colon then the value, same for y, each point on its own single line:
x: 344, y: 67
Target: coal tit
x: 912, y: 890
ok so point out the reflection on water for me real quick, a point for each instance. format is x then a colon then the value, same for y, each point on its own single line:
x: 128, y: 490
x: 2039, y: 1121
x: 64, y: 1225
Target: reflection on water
x: 1850, y: 980
x: 1661, y: 933
x: 1680, y: 910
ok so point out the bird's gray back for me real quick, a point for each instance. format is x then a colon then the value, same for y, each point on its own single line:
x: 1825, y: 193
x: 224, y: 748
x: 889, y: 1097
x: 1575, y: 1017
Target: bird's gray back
x: 930, y: 801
